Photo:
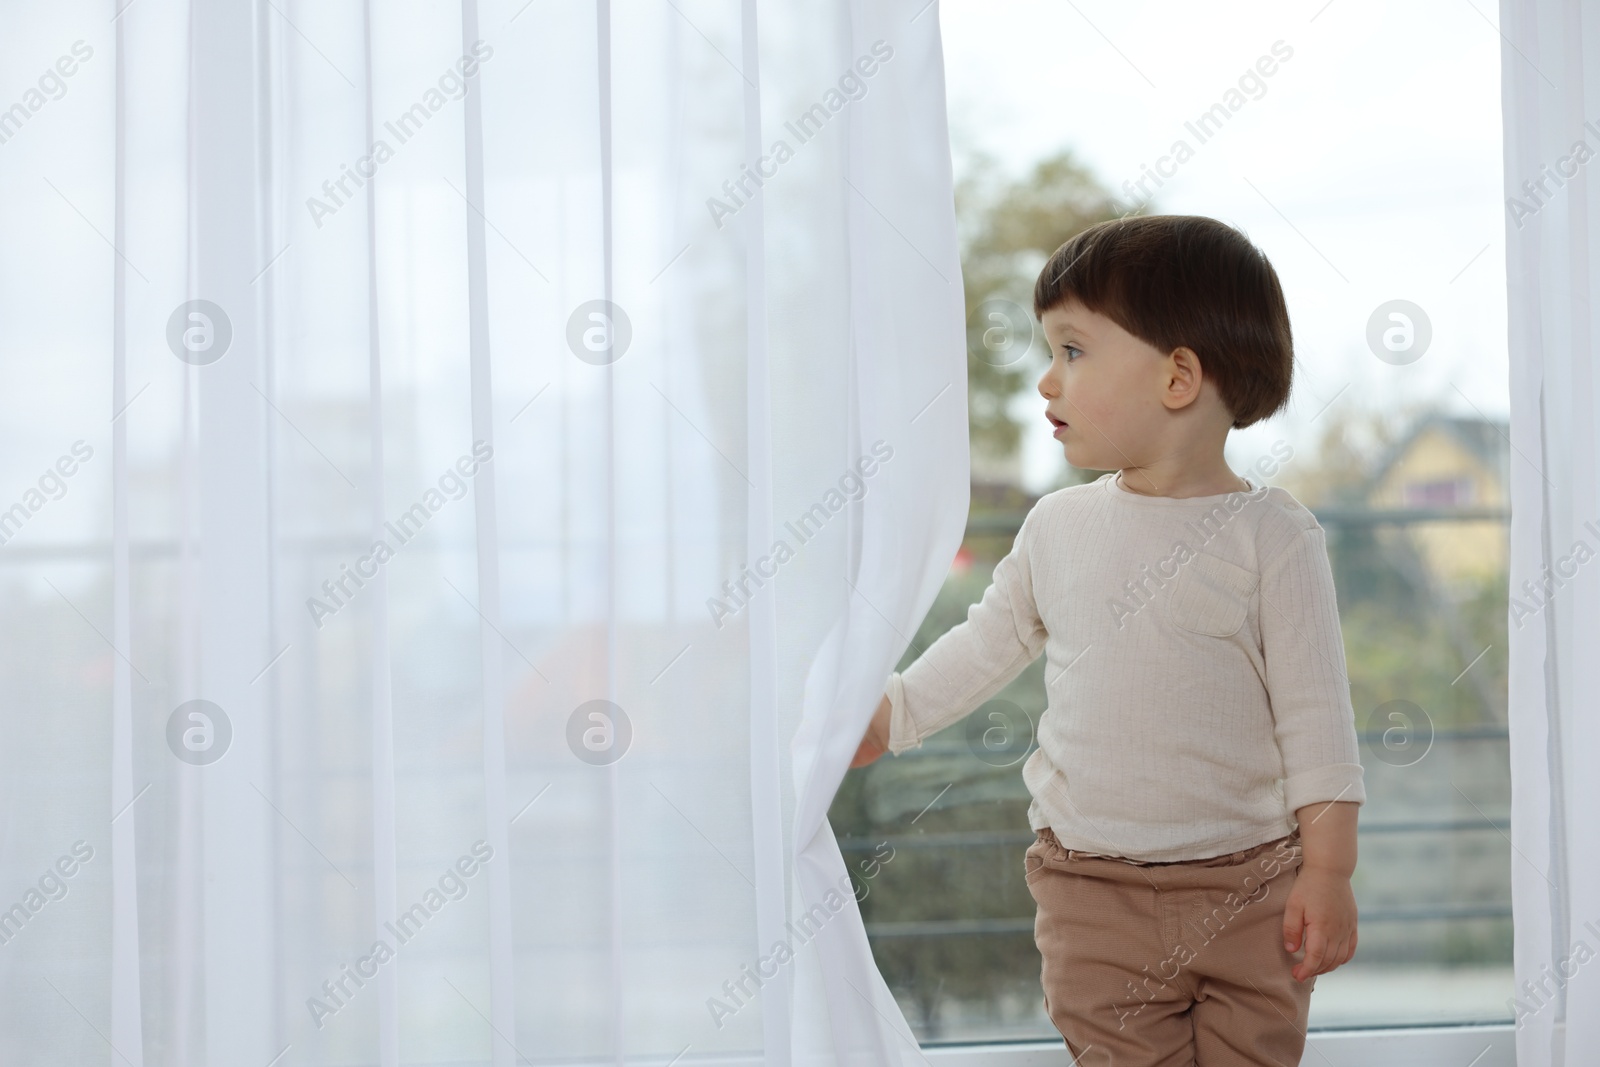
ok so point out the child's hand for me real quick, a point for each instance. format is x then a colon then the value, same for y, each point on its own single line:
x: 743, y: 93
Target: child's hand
x: 1322, y: 906
x: 875, y: 742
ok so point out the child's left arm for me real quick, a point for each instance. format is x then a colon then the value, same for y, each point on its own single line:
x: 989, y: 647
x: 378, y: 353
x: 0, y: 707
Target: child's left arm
x: 1314, y: 724
x: 1321, y: 905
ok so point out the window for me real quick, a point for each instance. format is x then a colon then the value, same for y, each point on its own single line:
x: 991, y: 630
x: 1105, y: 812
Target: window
x: 1396, y: 289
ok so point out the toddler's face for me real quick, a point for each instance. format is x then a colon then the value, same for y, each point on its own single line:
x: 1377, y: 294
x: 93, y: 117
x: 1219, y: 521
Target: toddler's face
x: 1102, y: 390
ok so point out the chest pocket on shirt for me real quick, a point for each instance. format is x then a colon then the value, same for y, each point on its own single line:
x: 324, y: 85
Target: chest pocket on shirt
x: 1211, y: 596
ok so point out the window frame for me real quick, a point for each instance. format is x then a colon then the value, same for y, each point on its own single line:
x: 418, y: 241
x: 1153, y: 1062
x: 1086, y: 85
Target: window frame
x: 1493, y: 1045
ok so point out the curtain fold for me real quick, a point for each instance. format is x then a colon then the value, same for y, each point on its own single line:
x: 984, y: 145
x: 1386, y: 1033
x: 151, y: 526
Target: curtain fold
x: 469, y: 471
x: 1551, y: 100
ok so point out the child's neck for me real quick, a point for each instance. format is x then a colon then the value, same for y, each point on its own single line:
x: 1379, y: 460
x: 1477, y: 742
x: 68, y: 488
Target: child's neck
x: 1140, y: 482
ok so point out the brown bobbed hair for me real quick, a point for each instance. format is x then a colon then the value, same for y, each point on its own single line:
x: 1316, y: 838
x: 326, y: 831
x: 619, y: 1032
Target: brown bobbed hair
x: 1184, y: 280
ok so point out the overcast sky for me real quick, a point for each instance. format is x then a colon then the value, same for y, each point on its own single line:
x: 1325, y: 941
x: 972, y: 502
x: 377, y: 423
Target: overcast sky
x: 1368, y: 166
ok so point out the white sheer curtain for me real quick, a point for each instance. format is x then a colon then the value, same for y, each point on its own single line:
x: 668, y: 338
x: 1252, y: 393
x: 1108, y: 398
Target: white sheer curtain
x: 470, y: 468
x: 1551, y: 72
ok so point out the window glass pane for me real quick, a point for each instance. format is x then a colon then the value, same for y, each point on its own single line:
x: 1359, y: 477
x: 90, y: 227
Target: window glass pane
x: 1369, y: 170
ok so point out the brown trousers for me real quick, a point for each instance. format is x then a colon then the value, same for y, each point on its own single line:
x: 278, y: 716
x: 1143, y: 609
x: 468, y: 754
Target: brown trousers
x: 1170, y: 964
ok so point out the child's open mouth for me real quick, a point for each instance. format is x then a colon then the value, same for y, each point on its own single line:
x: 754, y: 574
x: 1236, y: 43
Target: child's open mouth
x: 1056, y: 424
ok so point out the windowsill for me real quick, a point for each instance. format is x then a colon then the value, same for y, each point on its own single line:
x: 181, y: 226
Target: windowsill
x: 1441, y: 1046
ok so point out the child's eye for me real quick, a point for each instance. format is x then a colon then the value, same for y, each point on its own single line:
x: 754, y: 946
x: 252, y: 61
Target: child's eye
x: 1070, y: 349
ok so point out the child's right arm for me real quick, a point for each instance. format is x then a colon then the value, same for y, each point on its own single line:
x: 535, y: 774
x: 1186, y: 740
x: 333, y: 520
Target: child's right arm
x: 968, y: 664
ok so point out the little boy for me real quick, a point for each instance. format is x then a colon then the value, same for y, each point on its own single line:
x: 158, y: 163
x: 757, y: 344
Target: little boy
x: 1197, y: 777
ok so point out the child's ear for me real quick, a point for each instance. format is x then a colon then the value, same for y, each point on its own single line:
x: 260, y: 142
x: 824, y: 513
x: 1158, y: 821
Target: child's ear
x: 1184, y: 378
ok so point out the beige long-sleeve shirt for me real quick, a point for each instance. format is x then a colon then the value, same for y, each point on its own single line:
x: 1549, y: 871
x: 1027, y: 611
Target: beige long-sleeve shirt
x: 1194, y: 669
